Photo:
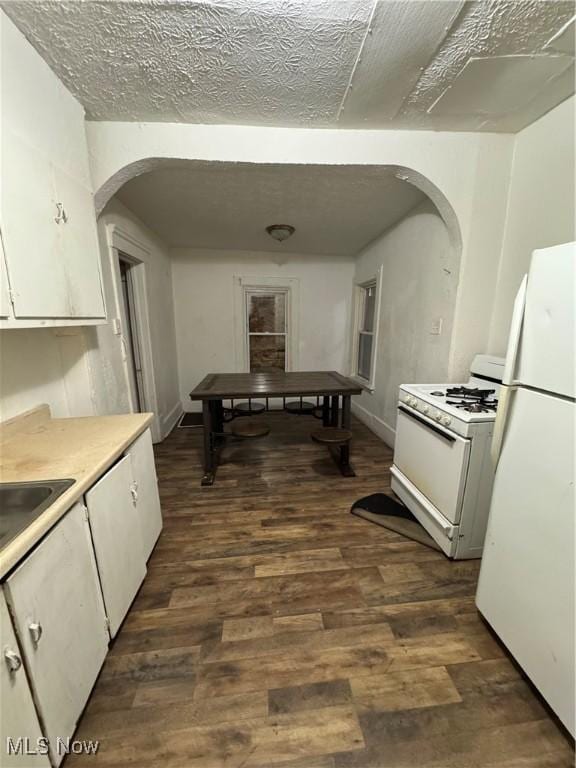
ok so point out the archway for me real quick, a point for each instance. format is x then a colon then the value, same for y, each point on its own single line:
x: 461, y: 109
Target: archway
x: 407, y: 174
x: 156, y: 185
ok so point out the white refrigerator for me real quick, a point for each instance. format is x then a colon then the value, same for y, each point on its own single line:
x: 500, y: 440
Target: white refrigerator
x: 526, y: 586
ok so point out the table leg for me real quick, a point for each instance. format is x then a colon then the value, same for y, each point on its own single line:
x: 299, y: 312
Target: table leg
x: 344, y: 463
x: 334, y: 409
x: 218, y: 417
x: 325, y: 411
x: 209, y: 462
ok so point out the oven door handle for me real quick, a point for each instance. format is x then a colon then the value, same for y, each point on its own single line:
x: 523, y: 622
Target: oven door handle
x: 433, y: 427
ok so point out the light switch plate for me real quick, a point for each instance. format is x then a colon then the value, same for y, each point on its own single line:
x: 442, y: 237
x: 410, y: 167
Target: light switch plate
x: 436, y: 327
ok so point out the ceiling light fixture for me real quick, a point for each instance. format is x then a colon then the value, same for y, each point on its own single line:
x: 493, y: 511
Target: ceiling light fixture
x: 280, y: 232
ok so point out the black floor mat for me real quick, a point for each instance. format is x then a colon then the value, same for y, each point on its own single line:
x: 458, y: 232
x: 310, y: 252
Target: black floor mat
x: 191, y: 420
x: 385, y: 511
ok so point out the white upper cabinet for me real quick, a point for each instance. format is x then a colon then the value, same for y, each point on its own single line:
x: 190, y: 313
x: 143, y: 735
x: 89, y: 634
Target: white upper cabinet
x: 56, y: 603
x: 46, y: 203
x: 5, y: 308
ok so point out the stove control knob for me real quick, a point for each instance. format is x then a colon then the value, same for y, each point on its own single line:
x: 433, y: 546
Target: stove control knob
x: 407, y: 399
x: 446, y: 420
x: 437, y: 415
x: 425, y: 409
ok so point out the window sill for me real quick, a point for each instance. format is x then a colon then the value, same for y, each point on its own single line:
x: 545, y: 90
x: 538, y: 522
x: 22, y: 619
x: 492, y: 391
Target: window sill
x: 367, y: 386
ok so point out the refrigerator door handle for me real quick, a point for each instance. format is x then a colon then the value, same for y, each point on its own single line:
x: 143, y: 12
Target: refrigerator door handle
x: 504, y: 397
x: 515, y: 333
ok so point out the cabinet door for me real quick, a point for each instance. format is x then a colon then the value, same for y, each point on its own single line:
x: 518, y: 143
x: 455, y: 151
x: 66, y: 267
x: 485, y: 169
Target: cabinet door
x: 29, y: 232
x: 80, y: 251
x: 57, y: 606
x: 54, y: 267
x: 5, y: 306
x: 146, y: 491
x: 117, y: 541
x: 18, y: 718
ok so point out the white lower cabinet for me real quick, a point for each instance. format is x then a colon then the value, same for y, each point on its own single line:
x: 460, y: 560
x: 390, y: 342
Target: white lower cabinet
x: 20, y: 732
x: 146, y: 491
x: 117, y: 541
x: 56, y: 604
x: 59, y: 607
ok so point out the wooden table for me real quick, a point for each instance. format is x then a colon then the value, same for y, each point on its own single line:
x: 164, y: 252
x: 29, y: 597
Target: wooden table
x: 217, y: 387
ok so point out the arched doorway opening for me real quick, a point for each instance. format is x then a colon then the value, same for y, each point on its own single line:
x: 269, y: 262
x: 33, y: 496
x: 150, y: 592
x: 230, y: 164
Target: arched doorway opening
x: 353, y: 223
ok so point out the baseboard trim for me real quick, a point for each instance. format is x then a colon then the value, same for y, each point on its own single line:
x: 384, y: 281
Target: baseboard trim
x: 170, y: 420
x: 380, y: 428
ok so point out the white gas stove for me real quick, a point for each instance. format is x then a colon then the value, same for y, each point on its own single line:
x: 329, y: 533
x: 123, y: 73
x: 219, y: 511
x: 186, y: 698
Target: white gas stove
x: 442, y: 469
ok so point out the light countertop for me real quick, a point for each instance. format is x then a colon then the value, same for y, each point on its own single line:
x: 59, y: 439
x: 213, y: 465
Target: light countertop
x: 35, y: 446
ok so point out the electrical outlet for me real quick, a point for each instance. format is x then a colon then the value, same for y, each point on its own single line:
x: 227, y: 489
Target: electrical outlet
x: 436, y: 327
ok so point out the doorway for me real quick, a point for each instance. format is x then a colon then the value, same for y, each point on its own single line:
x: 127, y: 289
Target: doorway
x: 131, y: 333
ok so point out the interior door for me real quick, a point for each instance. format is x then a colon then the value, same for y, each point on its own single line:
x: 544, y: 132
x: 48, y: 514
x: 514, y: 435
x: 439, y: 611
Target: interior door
x: 18, y: 718
x: 57, y: 606
x: 526, y: 585
x: 130, y: 337
x: 433, y: 459
x: 146, y: 491
x: 117, y: 540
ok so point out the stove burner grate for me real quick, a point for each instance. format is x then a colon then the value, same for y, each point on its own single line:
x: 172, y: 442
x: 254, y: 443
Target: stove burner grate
x: 475, y: 406
x: 470, y: 393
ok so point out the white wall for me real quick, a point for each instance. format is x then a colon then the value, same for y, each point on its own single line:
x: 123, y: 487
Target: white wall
x: 419, y: 285
x: 466, y: 175
x: 110, y: 389
x: 79, y: 371
x: 204, y: 308
x: 541, y: 206
x: 44, y: 365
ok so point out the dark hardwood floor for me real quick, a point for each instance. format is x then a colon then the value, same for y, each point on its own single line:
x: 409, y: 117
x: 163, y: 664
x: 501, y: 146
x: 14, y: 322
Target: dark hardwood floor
x: 276, y: 629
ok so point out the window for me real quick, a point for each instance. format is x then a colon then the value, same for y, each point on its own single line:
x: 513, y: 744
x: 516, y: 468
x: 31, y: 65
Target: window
x: 267, y: 325
x: 365, y: 331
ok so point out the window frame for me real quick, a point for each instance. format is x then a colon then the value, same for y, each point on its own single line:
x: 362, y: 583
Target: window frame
x: 244, y: 285
x: 248, y: 293
x: 359, y: 300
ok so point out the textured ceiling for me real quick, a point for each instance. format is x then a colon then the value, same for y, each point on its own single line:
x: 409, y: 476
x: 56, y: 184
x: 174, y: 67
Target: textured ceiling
x: 316, y: 63
x: 336, y: 210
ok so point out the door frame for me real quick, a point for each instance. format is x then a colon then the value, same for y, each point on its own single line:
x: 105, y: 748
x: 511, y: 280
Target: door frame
x: 131, y: 348
x: 123, y: 245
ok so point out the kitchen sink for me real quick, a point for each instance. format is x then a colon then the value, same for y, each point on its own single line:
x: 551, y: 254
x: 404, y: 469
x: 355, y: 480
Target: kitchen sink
x: 21, y: 503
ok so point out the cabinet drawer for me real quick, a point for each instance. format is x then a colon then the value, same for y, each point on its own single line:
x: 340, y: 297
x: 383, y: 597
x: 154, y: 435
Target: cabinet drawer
x: 59, y: 616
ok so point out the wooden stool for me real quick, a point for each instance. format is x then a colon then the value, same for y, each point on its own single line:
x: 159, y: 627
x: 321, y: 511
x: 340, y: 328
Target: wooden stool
x: 249, y: 409
x: 300, y: 407
x: 331, y: 436
x: 249, y: 428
